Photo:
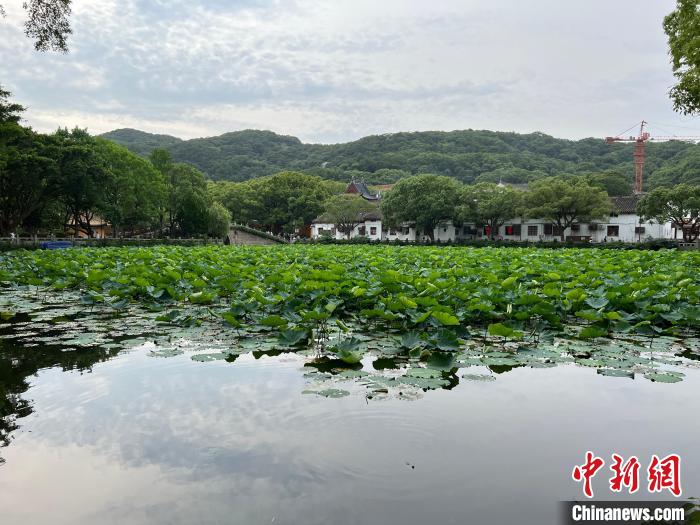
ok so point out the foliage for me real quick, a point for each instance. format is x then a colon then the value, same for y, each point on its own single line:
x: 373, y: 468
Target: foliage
x: 680, y: 205
x: 289, y: 200
x: 468, y: 156
x: 491, y: 205
x: 417, y: 314
x: 682, y: 27
x: 189, y: 200
x: 565, y: 202
x: 10, y: 112
x: 685, y: 171
x: 140, y: 142
x: 136, y: 193
x: 615, y: 182
x: 190, y: 207
x: 83, y: 178
x: 239, y: 198
x: 27, y: 175
x: 443, y: 290
x: 347, y: 211
x: 425, y: 200
x: 47, y: 23
x: 219, y: 220
x: 68, y: 179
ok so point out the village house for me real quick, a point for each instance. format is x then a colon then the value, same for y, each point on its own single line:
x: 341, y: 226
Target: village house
x: 623, y: 225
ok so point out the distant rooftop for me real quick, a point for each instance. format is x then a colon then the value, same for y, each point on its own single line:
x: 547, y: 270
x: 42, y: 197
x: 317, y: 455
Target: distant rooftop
x: 360, y: 188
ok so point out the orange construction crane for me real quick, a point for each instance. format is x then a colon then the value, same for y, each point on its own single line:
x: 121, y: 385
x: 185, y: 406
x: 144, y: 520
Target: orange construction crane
x: 640, y: 150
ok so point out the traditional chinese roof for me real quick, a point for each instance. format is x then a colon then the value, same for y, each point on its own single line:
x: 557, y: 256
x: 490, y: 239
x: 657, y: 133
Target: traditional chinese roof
x: 361, y: 188
x: 626, y: 204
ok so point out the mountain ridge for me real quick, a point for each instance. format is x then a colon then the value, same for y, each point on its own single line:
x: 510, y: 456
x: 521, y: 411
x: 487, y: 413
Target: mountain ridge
x: 468, y: 155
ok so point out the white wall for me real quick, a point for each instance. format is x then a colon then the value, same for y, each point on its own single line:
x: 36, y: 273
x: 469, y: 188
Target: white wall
x: 625, y: 223
x: 445, y: 232
x: 402, y: 233
x: 318, y: 230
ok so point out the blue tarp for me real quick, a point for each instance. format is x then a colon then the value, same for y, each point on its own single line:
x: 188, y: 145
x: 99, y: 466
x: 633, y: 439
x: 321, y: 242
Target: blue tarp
x: 56, y: 245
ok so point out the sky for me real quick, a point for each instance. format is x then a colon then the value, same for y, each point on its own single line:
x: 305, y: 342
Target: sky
x: 336, y: 70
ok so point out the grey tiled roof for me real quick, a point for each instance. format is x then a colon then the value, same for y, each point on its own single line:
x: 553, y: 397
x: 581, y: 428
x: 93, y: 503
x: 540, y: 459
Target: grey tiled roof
x: 363, y: 190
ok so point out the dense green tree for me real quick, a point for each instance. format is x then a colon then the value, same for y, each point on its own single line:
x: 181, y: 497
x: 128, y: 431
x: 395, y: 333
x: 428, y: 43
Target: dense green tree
x: 680, y: 205
x: 425, y: 200
x: 219, y: 220
x: 26, y: 171
x: 335, y: 187
x: 683, y: 29
x: 565, y: 202
x: 83, y: 178
x: 614, y: 182
x: 489, y: 205
x: 346, y: 211
x: 137, y: 191
x: 289, y: 200
x: 190, y: 200
x: 163, y: 162
x: 10, y: 112
x: 69, y: 178
x: 239, y: 198
x: 27, y: 175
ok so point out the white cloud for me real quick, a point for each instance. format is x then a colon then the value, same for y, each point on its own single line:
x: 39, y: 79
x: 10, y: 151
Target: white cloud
x: 336, y: 70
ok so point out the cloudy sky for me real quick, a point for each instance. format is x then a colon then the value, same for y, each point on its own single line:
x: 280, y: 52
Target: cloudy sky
x: 337, y: 70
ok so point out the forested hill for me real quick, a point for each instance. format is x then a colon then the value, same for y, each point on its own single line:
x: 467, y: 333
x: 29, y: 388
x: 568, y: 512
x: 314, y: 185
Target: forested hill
x: 140, y: 142
x: 470, y: 156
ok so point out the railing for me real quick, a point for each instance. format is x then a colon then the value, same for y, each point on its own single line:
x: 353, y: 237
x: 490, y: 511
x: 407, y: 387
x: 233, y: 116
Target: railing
x: 689, y: 245
x: 36, y: 242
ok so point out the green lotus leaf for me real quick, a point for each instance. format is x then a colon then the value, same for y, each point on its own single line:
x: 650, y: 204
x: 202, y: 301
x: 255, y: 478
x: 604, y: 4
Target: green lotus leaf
x: 445, y: 319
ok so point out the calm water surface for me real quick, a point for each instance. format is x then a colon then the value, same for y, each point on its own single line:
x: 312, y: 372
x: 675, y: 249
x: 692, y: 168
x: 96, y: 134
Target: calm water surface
x: 137, y: 440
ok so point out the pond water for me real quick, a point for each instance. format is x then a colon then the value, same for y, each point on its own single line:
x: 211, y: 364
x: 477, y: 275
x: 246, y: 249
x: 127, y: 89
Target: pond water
x: 112, y: 427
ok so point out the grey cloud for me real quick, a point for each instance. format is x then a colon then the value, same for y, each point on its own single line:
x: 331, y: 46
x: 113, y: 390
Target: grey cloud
x: 362, y: 67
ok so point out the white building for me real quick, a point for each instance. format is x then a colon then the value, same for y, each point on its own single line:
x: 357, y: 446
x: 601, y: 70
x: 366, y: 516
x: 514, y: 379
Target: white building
x: 624, y: 225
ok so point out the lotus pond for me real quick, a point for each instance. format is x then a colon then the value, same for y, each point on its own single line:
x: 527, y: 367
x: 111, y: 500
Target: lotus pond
x: 336, y: 384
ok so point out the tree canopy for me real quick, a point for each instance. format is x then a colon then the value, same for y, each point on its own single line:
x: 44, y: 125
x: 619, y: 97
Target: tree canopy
x: 487, y: 204
x: 65, y: 181
x: 10, y: 112
x: 137, y: 190
x: 565, y: 202
x: 347, y: 211
x: 289, y: 200
x: 680, y: 205
x: 425, y: 200
x: 682, y: 27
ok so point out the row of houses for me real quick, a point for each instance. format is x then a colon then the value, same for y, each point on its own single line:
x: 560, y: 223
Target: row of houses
x: 623, y: 225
